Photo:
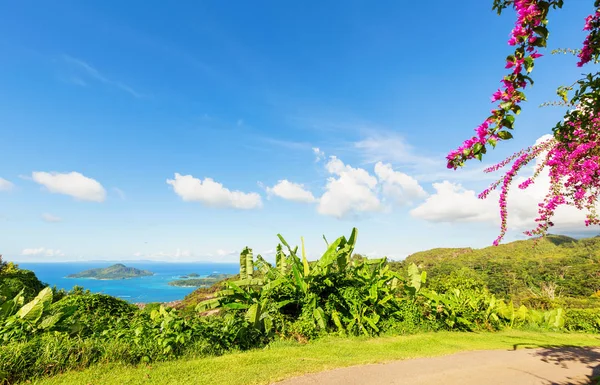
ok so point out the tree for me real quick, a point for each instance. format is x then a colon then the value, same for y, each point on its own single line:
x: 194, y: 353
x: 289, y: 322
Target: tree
x: 572, y: 156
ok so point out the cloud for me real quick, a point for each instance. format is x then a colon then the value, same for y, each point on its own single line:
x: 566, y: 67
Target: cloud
x: 73, y: 184
x: 319, y: 155
x: 349, y: 192
x: 212, y: 193
x: 6, y: 185
x: 42, y: 251
x: 453, y: 203
x: 93, y: 73
x: 225, y: 253
x: 51, y: 218
x: 291, y: 191
x: 120, y: 193
x: 401, y: 187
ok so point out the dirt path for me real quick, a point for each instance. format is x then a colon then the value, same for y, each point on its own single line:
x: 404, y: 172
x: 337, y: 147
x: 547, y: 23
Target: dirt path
x: 556, y: 366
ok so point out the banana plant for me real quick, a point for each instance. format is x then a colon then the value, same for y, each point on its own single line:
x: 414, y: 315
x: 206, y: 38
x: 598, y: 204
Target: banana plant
x: 18, y: 320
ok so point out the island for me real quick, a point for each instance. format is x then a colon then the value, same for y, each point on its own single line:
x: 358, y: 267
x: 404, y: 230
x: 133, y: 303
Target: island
x: 118, y: 271
x: 207, y: 281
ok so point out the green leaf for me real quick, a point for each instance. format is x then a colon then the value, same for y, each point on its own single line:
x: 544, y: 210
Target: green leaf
x: 208, y: 305
x: 31, y: 311
x: 253, y: 314
x: 50, y: 321
x: 414, y: 276
x: 304, y: 260
x: 504, y: 135
x: 542, y: 31
x: 528, y: 62
x: 319, y: 315
x: 336, y: 320
x: 292, y: 252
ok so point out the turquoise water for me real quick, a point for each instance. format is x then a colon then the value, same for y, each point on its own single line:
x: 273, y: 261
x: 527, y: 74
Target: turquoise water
x: 144, y: 289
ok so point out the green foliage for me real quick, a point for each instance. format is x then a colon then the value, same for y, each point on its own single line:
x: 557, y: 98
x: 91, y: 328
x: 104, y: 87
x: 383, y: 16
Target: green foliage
x: 19, y: 321
x: 14, y: 280
x: 584, y: 320
x: 341, y: 293
x: 94, y: 313
x: 333, y: 294
x: 550, y: 267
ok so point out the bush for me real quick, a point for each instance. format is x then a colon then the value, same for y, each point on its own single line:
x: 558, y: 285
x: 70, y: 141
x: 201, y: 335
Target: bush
x: 584, y: 320
x: 13, y: 280
x: 95, y: 313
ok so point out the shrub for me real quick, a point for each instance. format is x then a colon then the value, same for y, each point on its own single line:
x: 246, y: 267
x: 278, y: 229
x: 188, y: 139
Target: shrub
x: 585, y: 320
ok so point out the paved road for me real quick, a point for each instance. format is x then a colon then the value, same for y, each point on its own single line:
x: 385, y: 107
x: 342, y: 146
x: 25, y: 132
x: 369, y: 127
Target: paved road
x: 551, y: 366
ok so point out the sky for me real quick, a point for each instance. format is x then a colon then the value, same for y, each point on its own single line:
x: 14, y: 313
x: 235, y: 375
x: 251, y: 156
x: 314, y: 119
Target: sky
x: 184, y: 132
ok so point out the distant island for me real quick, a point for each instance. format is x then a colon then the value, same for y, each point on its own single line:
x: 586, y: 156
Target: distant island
x: 118, y: 271
x: 209, y: 280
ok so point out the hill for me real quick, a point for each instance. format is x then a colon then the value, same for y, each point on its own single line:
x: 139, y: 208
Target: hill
x: 554, y: 266
x: 118, y: 271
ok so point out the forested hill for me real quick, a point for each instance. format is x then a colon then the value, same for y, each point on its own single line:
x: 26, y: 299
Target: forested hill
x: 552, y: 267
x: 118, y: 271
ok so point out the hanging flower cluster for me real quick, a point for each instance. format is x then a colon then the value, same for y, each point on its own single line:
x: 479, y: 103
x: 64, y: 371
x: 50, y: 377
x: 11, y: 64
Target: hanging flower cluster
x: 574, y: 170
x: 529, y: 32
x: 590, y: 45
x: 572, y: 157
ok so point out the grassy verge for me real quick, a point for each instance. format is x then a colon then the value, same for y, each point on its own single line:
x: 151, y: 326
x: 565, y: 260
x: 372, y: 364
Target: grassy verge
x: 284, y: 360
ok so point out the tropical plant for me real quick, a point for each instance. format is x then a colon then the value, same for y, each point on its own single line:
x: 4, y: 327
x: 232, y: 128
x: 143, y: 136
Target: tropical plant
x: 334, y: 293
x: 19, y: 322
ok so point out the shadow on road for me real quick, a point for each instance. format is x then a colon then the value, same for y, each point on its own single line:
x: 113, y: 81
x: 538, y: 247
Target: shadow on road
x: 565, y: 355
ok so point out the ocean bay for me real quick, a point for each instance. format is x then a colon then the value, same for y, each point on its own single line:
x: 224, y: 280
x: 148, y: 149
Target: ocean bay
x: 153, y: 288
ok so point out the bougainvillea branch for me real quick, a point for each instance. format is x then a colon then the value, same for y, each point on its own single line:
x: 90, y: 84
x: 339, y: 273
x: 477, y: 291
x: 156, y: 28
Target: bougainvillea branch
x: 529, y: 33
x: 572, y: 156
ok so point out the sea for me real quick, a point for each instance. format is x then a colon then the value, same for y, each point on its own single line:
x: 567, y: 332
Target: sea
x: 135, y: 290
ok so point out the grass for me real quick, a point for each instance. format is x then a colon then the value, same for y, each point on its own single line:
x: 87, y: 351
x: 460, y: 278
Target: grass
x: 286, y: 359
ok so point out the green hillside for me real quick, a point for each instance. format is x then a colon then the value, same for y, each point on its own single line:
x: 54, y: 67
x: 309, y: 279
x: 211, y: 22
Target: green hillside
x: 118, y: 271
x: 552, y: 268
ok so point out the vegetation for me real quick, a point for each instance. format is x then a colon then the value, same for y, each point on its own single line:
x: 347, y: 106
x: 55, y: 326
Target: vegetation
x: 13, y: 280
x: 118, y: 271
x: 555, y: 271
x: 207, y: 281
x: 340, y: 294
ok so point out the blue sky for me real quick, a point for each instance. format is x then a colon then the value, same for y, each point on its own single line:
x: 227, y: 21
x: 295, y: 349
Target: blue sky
x: 105, y: 103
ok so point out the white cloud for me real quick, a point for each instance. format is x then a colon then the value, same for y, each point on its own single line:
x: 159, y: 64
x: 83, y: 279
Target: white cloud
x: 291, y: 191
x: 453, y: 203
x: 319, y: 155
x: 73, y: 184
x: 42, y: 251
x: 399, y: 186
x: 212, y: 193
x: 349, y: 191
x: 6, y: 185
x: 51, y: 218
